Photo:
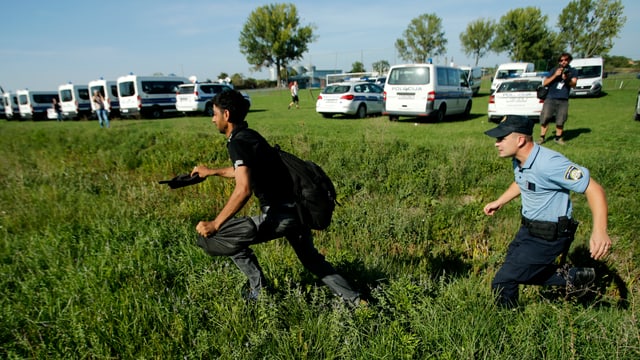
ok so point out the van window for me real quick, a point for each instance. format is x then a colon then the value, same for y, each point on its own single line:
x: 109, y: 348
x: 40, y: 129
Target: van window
x: 97, y: 88
x: 114, y: 91
x: 66, y: 95
x: 44, y: 99
x: 589, y: 71
x: 127, y: 88
x: 23, y: 99
x: 409, y: 76
x: 84, y: 94
x: 160, y: 87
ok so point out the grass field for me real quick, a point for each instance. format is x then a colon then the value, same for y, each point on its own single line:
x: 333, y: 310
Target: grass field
x: 98, y: 261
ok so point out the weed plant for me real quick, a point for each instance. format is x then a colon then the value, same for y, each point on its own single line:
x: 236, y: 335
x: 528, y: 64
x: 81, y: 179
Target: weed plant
x: 98, y: 261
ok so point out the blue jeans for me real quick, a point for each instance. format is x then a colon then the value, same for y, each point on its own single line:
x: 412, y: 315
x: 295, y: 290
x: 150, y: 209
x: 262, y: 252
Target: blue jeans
x: 273, y: 223
x: 103, y: 117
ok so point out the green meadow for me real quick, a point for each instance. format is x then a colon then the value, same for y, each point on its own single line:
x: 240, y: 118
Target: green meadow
x: 99, y: 261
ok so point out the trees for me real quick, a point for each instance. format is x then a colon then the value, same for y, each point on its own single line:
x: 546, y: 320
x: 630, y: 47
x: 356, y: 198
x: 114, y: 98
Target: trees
x: 423, y: 38
x: 524, y: 35
x: 381, y: 66
x: 589, y: 26
x: 477, y: 38
x: 273, y: 36
x: 357, y: 67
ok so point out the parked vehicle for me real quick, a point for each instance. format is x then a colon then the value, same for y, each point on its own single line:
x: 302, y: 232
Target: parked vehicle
x: 474, y: 78
x: 637, y: 115
x: 510, y: 71
x: 75, y: 101
x: 590, y: 75
x: 196, y: 97
x: 34, y: 104
x: 426, y: 90
x: 10, y: 102
x: 109, y: 90
x: 359, y: 98
x: 516, y: 97
x: 148, y: 96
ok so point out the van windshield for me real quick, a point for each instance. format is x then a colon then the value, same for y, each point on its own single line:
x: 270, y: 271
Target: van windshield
x: 66, y: 95
x: 126, y: 88
x: 589, y: 71
x: 409, y: 76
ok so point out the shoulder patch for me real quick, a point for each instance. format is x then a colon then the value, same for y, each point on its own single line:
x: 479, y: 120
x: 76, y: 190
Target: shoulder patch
x: 573, y: 173
x: 238, y: 163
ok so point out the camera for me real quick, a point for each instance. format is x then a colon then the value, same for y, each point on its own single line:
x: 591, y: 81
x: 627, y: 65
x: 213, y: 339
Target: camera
x: 566, y: 72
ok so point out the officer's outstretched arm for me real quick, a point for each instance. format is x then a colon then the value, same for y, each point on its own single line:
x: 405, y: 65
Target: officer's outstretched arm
x: 600, y: 242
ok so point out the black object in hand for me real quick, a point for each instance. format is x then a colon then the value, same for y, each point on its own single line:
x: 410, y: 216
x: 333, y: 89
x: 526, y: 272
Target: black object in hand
x: 183, y: 180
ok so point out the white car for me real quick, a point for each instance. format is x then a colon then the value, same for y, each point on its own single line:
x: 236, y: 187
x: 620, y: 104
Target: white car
x: 516, y: 97
x: 197, y: 97
x: 358, y: 98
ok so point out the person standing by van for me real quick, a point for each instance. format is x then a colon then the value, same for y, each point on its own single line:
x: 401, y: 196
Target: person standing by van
x: 556, y: 105
x: 57, y: 108
x: 101, y: 110
x: 294, y: 96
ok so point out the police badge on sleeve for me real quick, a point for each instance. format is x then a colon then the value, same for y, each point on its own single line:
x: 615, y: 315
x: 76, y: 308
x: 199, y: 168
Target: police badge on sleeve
x: 573, y: 173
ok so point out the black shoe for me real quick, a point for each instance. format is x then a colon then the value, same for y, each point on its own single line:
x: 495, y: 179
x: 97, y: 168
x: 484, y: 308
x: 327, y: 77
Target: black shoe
x: 582, y: 280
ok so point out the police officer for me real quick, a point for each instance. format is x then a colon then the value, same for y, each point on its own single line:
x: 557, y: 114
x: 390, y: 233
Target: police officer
x: 543, y: 180
x: 257, y: 169
x: 556, y: 105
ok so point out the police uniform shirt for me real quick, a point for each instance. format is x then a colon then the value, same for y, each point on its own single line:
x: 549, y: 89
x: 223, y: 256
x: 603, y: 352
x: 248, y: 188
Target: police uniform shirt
x: 545, y: 180
x: 270, y: 179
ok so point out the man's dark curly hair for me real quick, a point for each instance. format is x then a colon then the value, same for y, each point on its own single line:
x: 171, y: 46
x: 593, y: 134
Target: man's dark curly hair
x: 235, y: 103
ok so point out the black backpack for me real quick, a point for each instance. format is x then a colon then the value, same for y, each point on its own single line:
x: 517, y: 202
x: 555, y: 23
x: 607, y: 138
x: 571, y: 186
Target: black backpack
x: 314, y: 192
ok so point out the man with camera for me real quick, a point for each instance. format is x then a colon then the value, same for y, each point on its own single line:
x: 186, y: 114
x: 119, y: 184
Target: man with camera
x: 556, y: 105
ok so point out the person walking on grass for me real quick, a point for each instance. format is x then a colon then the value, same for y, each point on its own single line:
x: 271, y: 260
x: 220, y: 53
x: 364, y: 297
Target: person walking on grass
x: 100, y: 105
x: 544, y: 180
x: 556, y: 105
x: 257, y: 169
x: 295, y: 100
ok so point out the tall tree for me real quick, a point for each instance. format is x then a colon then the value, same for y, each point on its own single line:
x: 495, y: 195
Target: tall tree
x: 589, y: 26
x: 524, y: 35
x: 423, y: 38
x: 381, y: 66
x: 273, y: 36
x: 357, y: 67
x: 477, y: 38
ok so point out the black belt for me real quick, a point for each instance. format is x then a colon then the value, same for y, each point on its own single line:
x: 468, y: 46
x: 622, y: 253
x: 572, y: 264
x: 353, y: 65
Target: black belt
x: 550, y: 230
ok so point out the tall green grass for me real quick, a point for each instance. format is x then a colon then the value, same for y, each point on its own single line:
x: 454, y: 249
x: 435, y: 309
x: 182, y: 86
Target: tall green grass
x: 97, y: 260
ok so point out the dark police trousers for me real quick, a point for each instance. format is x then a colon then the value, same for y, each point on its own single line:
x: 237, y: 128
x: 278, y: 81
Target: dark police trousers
x: 273, y: 223
x: 531, y: 260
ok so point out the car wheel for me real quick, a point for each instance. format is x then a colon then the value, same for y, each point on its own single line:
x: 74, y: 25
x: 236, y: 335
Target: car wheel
x: 440, y: 113
x: 208, y: 110
x: 362, y: 111
x: 327, y: 116
x: 394, y: 118
x: 156, y: 113
x: 467, y: 109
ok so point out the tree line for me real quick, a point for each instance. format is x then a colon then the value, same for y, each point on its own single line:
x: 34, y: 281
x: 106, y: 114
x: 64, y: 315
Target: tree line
x: 273, y: 35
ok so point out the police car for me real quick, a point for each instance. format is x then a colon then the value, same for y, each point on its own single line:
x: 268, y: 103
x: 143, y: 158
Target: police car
x: 358, y: 98
x: 516, y: 96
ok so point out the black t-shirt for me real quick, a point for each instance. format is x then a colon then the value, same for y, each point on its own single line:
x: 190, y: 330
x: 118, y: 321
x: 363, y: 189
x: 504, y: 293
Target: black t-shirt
x: 270, y: 179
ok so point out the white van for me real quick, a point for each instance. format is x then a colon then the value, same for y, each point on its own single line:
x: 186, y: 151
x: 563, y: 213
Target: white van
x: 474, y: 77
x: 75, y: 101
x: 148, y: 96
x: 510, y: 71
x: 10, y: 102
x: 590, y: 75
x: 34, y: 104
x: 426, y: 90
x: 109, y: 90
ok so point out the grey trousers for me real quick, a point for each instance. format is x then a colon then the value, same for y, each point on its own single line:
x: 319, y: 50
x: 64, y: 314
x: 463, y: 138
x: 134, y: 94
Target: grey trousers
x: 273, y: 223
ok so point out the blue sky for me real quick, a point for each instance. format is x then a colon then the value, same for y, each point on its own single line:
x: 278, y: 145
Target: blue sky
x: 48, y: 43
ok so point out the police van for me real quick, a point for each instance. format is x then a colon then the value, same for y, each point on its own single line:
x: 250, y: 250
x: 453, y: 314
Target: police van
x: 75, y: 101
x: 590, y: 75
x: 109, y: 90
x: 148, y: 96
x: 474, y: 77
x: 34, y: 104
x: 510, y: 71
x: 420, y: 90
